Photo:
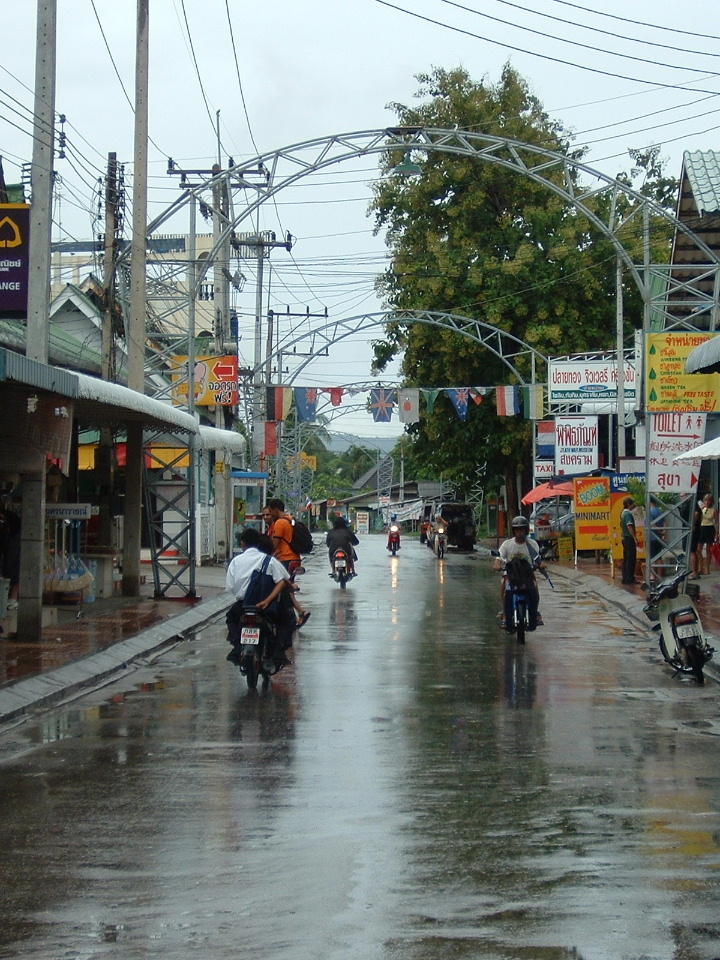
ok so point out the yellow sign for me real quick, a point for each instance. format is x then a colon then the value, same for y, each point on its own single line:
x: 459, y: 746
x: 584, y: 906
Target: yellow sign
x: 216, y: 381
x: 565, y: 548
x: 667, y: 386
x: 306, y: 461
x: 592, y: 513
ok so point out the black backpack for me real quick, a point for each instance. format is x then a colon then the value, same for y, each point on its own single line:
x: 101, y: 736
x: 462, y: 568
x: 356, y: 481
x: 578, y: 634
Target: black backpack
x: 302, y: 541
x: 261, y: 585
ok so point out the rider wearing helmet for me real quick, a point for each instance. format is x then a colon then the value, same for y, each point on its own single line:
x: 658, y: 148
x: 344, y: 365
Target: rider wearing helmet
x: 518, y: 546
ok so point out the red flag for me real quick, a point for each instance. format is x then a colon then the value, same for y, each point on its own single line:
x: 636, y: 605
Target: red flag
x: 271, y: 438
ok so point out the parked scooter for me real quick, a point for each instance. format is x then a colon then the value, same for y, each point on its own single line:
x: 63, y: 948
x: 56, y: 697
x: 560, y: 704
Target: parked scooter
x: 393, y: 543
x: 681, y: 635
x: 519, y: 607
x: 342, y: 567
x: 252, y: 634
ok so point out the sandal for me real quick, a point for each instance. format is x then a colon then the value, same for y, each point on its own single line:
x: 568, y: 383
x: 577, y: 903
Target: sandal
x: 304, y: 618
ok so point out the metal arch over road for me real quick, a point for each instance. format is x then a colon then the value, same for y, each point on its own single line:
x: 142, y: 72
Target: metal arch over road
x: 504, y: 345
x: 281, y: 168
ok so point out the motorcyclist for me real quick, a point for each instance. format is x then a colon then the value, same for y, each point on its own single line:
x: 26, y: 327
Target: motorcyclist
x: 341, y: 537
x: 237, y: 581
x: 393, y: 532
x: 518, y: 546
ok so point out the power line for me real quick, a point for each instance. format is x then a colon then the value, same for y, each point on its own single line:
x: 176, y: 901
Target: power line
x: 542, y: 56
x: 638, y: 23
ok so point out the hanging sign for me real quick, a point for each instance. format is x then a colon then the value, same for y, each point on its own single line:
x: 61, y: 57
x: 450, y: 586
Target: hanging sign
x: 576, y: 444
x: 667, y: 386
x: 215, y: 381
x: 670, y: 435
x: 581, y: 379
x: 14, y: 259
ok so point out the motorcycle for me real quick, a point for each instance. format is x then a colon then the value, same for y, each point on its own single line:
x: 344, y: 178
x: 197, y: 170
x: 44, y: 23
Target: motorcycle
x: 393, y: 544
x: 342, y: 568
x: 252, y: 634
x: 520, y: 610
x: 440, y: 542
x: 681, y: 636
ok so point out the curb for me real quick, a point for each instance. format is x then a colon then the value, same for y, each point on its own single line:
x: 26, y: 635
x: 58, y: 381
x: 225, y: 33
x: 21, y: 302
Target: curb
x: 66, y: 682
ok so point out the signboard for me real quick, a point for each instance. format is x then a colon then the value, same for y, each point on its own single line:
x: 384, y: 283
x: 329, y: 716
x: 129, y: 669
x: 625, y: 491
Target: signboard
x: 544, y: 469
x: 576, y: 444
x: 670, y: 435
x: 580, y: 379
x: 69, y: 511
x: 14, y: 257
x: 216, y: 381
x: 363, y: 521
x: 592, y: 513
x: 667, y: 386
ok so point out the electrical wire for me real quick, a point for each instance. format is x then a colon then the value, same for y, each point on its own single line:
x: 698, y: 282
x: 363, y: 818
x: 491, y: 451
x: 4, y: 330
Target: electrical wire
x: 197, y: 68
x: 239, y: 79
x: 541, y: 56
x: 638, y: 23
x: 585, y: 26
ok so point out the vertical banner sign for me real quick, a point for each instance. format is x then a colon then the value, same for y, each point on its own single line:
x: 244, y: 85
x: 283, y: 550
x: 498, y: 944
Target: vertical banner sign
x: 667, y: 385
x: 592, y: 513
x: 670, y: 435
x: 14, y: 255
x: 576, y: 444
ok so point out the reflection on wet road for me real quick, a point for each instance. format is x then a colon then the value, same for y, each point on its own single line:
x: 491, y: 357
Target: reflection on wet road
x: 416, y: 787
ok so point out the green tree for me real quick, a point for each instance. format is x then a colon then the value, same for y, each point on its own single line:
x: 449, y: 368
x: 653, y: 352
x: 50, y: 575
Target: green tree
x: 479, y: 240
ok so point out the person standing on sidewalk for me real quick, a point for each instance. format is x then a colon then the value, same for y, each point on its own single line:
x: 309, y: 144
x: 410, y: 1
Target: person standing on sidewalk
x: 708, y: 530
x: 629, y: 541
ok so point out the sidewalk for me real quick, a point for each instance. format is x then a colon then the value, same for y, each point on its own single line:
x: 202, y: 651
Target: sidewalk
x: 86, y: 650
x: 89, y: 644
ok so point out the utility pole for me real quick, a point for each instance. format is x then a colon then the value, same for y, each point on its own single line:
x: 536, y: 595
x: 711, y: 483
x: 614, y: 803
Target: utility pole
x: 221, y: 285
x: 104, y: 462
x: 33, y: 483
x: 132, y: 524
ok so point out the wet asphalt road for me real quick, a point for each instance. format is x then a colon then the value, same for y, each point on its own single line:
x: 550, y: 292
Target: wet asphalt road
x: 416, y: 787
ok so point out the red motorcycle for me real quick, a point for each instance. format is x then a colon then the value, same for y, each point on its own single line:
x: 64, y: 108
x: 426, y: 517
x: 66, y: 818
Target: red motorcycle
x: 393, y: 543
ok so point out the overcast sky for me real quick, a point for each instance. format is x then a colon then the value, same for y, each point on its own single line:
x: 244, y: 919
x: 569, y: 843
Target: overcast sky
x: 620, y: 75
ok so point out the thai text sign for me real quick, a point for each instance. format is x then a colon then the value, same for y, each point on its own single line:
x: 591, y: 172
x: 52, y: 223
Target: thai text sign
x: 670, y: 435
x: 667, y: 386
x: 581, y: 379
x: 592, y: 513
x: 14, y: 257
x: 216, y: 381
x: 576, y: 444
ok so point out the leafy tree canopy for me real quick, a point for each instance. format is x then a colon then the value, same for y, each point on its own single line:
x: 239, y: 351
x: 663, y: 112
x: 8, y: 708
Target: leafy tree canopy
x: 476, y: 239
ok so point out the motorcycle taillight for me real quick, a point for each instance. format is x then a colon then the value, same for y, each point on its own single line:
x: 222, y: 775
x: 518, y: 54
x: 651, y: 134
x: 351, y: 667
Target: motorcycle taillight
x: 250, y: 620
x: 684, y: 616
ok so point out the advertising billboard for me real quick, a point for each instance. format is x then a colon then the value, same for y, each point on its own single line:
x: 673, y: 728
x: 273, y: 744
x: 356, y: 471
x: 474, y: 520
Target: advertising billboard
x: 14, y: 256
x: 667, y: 386
x: 580, y: 379
x: 576, y: 444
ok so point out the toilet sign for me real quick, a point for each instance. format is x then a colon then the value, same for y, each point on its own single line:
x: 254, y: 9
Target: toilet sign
x: 670, y: 435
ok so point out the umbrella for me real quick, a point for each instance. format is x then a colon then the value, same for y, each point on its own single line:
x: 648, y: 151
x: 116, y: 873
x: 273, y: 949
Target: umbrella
x: 705, y: 358
x: 706, y: 451
x: 548, y: 490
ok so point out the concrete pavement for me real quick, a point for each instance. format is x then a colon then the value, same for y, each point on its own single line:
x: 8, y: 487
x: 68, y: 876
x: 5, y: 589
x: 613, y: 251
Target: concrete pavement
x: 90, y: 647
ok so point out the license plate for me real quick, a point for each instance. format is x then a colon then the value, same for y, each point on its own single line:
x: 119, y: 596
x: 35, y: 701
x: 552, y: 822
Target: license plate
x: 684, y: 633
x: 340, y: 565
x: 250, y: 635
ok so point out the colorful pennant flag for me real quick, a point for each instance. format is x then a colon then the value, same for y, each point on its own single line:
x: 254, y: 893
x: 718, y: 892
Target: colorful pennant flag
x: 533, y: 401
x: 409, y: 404
x: 271, y: 438
x: 336, y: 395
x: 381, y: 404
x: 459, y: 397
x: 279, y: 401
x: 431, y: 396
x: 507, y: 401
x: 306, y: 403
x: 477, y: 394
x: 546, y: 440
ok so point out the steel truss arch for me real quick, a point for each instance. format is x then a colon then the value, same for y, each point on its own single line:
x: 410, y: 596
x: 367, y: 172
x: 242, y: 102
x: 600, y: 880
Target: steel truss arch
x: 505, y: 346
x: 269, y: 173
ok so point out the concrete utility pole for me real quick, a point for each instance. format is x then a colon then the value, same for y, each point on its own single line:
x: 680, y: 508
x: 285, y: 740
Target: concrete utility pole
x: 132, y: 524
x: 29, y: 626
x: 221, y: 286
x: 104, y: 462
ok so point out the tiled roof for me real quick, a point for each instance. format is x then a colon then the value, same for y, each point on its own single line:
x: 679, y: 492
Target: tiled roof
x: 702, y: 168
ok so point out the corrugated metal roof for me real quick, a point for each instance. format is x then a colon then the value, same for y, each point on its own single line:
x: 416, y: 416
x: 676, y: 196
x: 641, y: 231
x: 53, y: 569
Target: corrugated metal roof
x: 703, y: 172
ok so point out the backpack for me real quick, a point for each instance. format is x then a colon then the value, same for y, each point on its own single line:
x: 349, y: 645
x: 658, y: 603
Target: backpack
x: 519, y: 572
x: 260, y: 586
x: 302, y: 541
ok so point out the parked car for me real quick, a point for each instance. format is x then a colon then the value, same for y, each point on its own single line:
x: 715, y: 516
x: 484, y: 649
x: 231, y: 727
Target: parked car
x: 459, y: 519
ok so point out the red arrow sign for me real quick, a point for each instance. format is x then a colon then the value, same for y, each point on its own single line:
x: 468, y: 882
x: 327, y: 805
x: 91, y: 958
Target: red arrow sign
x: 224, y: 371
